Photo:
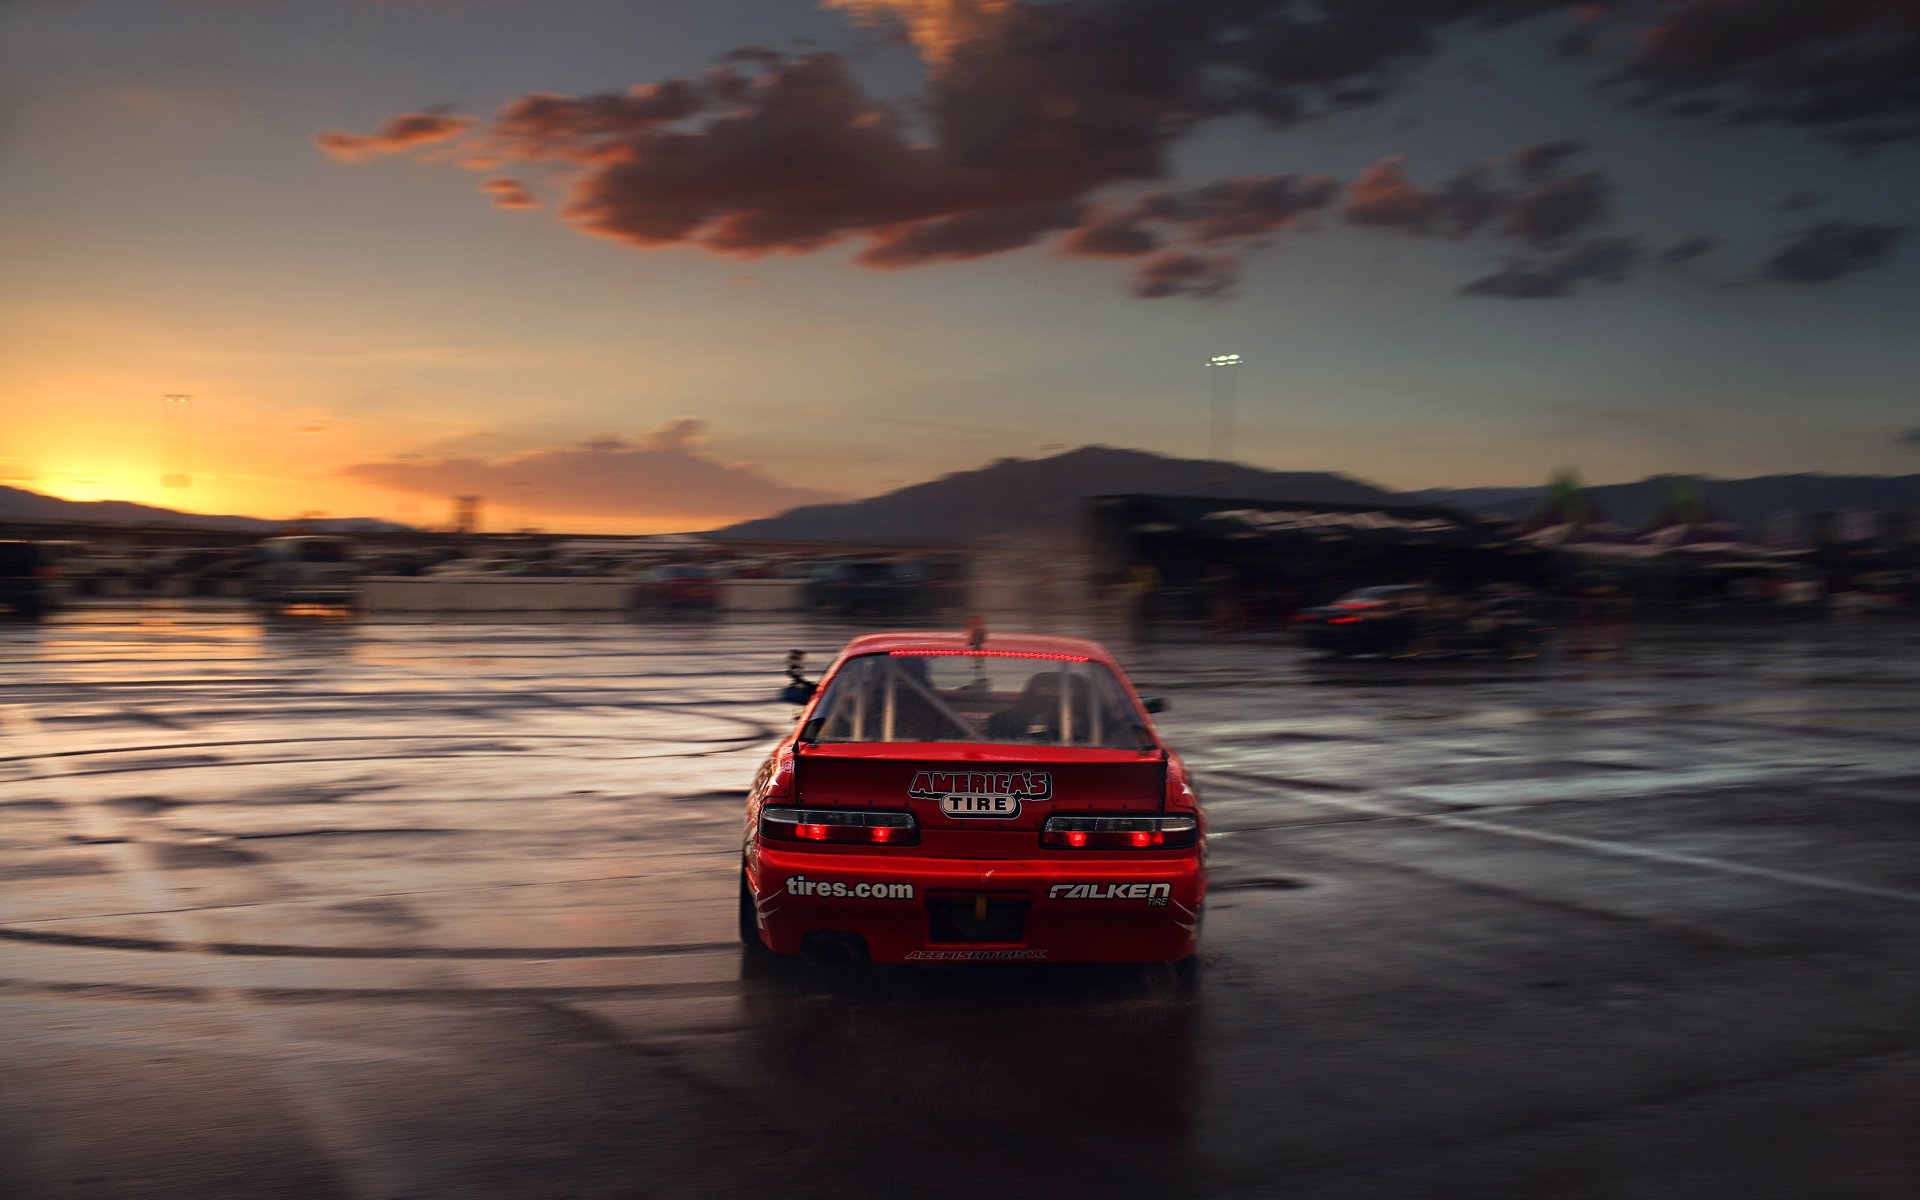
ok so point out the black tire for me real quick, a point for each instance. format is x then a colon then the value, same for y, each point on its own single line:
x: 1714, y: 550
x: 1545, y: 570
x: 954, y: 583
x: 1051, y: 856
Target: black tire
x: 749, y: 917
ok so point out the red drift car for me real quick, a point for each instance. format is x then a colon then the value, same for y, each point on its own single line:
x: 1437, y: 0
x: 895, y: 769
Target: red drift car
x: 949, y: 797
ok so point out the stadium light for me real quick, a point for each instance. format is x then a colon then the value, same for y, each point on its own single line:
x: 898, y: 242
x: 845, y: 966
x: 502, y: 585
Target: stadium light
x: 1220, y: 419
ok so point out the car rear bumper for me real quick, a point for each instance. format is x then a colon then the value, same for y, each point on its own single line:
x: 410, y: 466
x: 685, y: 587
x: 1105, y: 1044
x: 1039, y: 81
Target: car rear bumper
x: 1107, y: 908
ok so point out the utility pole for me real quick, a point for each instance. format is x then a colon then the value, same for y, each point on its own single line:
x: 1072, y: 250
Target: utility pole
x: 176, y: 446
x: 1224, y: 372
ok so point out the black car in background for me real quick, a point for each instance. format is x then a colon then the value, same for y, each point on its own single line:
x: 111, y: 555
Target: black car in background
x: 1420, y: 620
x: 28, y: 578
x: 861, y: 587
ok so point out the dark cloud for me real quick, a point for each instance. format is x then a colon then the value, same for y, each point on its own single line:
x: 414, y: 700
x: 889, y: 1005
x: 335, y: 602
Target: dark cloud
x: 1798, y: 201
x: 1385, y: 197
x: 398, y: 135
x: 1909, y: 437
x: 1687, y: 249
x: 1827, y: 63
x: 1208, y: 276
x: 1825, y: 252
x: 1112, y: 234
x: 1382, y: 195
x: 969, y: 235
x: 1033, y: 115
x: 1552, y: 276
x: 509, y: 193
x: 1553, y: 211
x: 1237, y: 209
x: 1866, y: 139
x: 803, y: 158
x: 1698, y: 106
x: 544, y: 125
x: 1535, y: 163
x: 661, y: 474
x: 1229, y: 212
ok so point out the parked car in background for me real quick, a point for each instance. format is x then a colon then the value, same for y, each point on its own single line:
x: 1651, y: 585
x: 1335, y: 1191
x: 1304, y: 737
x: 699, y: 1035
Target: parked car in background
x: 677, y: 588
x: 29, y: 581
x: 305, y: 569
x: 938, y: 582
x: 1418, y: 620
x: 862, y: 587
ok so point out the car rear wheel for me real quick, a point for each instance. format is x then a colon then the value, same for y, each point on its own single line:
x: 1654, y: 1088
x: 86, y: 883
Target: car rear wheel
x: 749, y: 916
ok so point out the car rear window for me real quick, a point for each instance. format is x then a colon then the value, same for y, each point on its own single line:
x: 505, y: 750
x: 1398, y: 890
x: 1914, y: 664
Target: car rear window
x: 996, y: 698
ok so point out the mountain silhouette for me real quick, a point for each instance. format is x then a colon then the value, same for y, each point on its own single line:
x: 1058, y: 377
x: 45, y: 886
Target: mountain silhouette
x: 20, y: 504
x: 1043, y: 498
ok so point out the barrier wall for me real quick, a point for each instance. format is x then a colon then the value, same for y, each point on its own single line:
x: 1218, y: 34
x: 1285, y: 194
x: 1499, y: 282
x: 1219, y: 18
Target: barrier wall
x: 429, y: 593
x: 762, y: 595
x: 116, y: 588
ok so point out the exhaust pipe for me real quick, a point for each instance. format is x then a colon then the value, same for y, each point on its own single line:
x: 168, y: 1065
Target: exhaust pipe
x: 834, y: 951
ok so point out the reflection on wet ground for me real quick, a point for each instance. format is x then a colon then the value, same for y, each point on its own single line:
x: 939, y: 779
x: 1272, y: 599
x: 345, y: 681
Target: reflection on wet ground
x: 333, y: 908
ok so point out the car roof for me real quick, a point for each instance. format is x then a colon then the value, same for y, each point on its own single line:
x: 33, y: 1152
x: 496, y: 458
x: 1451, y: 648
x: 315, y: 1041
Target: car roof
x: 956, y: 642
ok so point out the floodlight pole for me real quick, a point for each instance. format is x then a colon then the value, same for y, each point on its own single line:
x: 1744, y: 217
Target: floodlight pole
x: 1220, y: 415
x: 176, y: 451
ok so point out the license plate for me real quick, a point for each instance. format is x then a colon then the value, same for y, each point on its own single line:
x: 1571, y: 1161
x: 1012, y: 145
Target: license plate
x: 999, y: 808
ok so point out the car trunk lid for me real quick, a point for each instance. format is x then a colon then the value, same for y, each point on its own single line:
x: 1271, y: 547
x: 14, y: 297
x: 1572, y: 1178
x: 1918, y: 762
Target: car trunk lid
x: 967, y: 800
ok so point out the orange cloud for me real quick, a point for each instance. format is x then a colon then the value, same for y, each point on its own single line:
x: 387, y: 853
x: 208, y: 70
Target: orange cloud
x: 662, y: 474
x: 510, y: 193
x: 408, y: 131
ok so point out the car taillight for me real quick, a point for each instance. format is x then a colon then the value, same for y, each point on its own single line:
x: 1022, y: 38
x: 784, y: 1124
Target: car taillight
x: 1119, y: 833
x: 778, y: 783
x: 861, y: 827
x: 1342, y: 620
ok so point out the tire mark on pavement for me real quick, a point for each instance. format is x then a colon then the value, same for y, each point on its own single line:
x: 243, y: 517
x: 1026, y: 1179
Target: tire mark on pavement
x: 1615, y: 849
x: 366, y: 1169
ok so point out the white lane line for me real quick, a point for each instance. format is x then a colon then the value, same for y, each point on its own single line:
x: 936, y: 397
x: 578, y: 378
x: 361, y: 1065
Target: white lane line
x: 367, y: 1171
x: 1619, y: 849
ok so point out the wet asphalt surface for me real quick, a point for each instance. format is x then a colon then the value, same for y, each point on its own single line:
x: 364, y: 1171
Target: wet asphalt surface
x: 329, y: 908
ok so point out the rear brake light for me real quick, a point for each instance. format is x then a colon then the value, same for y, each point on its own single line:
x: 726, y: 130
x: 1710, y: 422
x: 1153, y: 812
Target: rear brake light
x: 1341, y: 620
x: 946, y: 653
x: 860, y: 827
x: 1119, y: 833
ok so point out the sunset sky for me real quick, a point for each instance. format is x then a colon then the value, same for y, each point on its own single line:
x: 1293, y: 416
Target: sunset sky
x: 650, y: 266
